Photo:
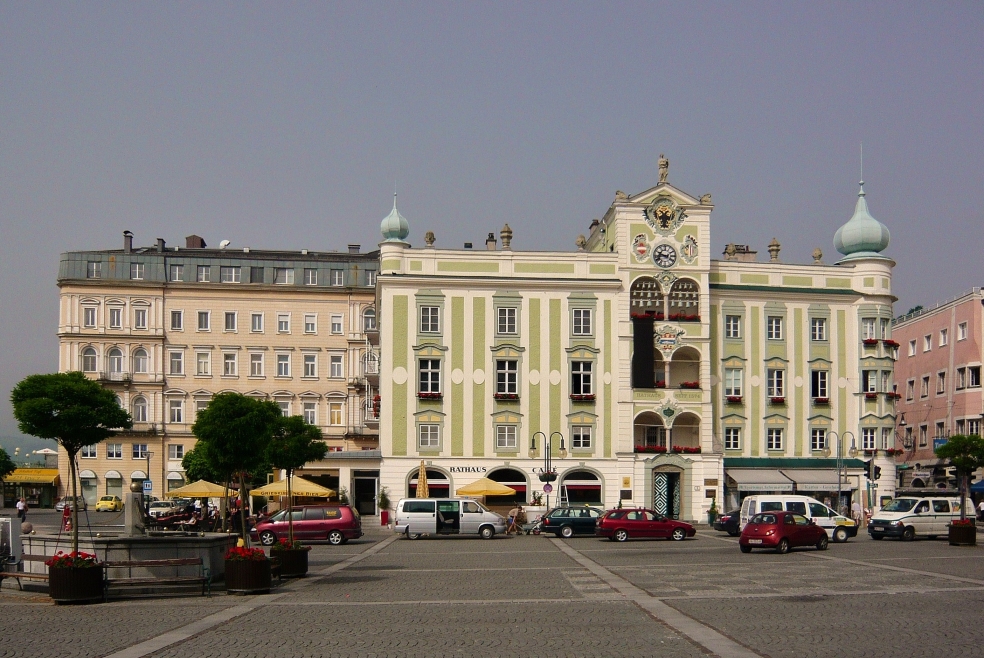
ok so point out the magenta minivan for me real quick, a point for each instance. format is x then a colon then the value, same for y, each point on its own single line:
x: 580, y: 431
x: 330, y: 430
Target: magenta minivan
x: 335, y: 524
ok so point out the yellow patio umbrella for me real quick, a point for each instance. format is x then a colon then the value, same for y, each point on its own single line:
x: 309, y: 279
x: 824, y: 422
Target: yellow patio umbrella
x: 423, y: 491
x: 485, y: 487
x: 200, y: 489
x: 298, y: 487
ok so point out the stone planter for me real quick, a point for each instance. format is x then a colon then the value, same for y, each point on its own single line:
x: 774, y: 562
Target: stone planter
x: 247, y: 576
x: 75, y: 584
x: 293, y: 561
x: 963, y: 535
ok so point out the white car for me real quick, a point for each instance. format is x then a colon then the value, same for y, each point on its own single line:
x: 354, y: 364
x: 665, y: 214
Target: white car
x: 162, y: 508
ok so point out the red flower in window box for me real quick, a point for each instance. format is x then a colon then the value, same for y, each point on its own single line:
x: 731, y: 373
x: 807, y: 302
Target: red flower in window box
x: 654, y: 449
x: 733, y: 399
x: 429, y: 396
x: 870, y: 396
x: 661, y: 383
x: 870, y: 452
x: 894, y: 396
x: 821, y: 400
x: 869, y: 342
x: 888, y: 342
x: 689, y: 384
x: 777, y: 400
x: 582, y: 397
x: 646, y: 314
x: 685, y: 317
x: 506, y: 396
x: 687, y: 450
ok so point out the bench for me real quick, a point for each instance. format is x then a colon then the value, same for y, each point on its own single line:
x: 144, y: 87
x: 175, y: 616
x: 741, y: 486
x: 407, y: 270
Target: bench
x: 25, y: 575
x: 203, y: 578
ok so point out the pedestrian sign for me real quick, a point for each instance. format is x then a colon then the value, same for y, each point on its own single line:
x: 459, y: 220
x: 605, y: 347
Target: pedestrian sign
x: 148, y: 486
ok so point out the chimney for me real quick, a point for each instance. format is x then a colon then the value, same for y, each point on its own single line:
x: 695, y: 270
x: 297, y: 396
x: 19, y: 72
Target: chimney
x: 160, y: 245
x: 490, y: 242
x: 194, y: 242
x: 354, y: 248
x: 127, y: 242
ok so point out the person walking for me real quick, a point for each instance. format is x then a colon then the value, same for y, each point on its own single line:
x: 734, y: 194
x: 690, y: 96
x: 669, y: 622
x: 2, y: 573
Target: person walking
x: 857, y: 513
x: 513, y: 515
x: 980, y: 510
x: 22, y: 510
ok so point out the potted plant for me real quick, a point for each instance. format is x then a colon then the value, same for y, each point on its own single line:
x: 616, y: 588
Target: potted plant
x: 712, y: 513
x: 547, y: 476
x: 292, y: 556
x: 75, y: 577
x: 247, y: 571
x: 383, y: 500
x: 966, y: 453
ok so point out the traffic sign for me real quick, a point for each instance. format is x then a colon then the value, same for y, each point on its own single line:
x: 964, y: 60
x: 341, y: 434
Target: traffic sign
x: 547, y: 488
x: 148, y: 486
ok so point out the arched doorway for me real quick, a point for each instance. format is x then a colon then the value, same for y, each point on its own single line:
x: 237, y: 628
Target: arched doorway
x: 438, y: 484
x: 581, y: 487
x: 667, y: 491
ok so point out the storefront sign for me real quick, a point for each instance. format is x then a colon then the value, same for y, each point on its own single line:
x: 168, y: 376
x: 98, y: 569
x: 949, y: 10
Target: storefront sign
x: 468, y: 469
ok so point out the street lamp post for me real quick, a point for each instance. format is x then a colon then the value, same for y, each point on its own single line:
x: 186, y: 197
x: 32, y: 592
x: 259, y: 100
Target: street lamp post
x: 547, y: 474
x: 840, y: 460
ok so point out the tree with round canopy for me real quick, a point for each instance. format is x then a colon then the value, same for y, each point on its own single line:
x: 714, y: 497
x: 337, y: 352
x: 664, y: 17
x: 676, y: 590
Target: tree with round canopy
x: 294, y: 443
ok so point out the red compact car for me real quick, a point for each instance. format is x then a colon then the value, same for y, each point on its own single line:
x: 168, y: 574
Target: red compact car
x: 621, y: 524
x: 781, y: 531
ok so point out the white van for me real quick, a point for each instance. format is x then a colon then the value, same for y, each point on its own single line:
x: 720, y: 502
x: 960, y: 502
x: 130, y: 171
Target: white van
x: 911, y: 516
x: 838, y: 527
x: 446, y: 516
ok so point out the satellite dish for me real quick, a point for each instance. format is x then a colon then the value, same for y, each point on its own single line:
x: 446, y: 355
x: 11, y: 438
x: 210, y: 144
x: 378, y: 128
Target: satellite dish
x: 224, y: 244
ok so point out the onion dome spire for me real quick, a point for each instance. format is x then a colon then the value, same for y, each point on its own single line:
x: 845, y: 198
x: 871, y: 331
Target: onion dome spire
x: 862, y: 236
x: 394, y: 227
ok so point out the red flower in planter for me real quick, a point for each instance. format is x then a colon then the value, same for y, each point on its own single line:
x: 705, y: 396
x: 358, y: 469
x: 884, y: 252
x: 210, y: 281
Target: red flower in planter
x: 821, y: 400
x: 963, y: 522
x: 888, y: 342
x: 661, y: 383
x: 506, y: 396
x: 870, y: 396
x: 777, y: 400
x: 733, y: 399
x: 689, y: 384
x: 687, y: 450
x: 429, y: 396
x: 869, y: 342
x: 582, y: 397
x: 658, y: 449
x: 73, y: 559
x: 242, y: 554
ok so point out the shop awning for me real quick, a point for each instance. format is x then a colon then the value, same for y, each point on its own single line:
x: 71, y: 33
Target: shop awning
x: 977, y: 487
x: 759, y: 479
x: 87, y: 475
x: 33, y: 476
x: 820, y: 479
x: 174, y: 475
x: 113, y: 475
x: 138, y: 475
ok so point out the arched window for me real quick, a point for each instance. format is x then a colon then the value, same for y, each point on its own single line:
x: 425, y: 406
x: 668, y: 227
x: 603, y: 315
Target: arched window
x: 369, y: 319
x: 139, y: 410
x: 89, y: 359
x: 119, y: 401
x: 685, y: 300
x: 646, y: 299
x: 140, y: 361
x: 115, y: 360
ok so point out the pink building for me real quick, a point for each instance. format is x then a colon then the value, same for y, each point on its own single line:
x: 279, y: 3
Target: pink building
x: 938, y: 376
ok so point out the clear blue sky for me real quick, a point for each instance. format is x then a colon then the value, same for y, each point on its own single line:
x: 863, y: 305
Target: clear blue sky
x: 279, y: 125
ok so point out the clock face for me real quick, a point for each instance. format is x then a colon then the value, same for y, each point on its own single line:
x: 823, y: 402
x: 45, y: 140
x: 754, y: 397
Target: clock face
x: 664, y: 255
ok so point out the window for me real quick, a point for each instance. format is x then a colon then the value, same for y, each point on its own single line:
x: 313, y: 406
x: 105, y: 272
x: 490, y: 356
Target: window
x: 337, y: 277
x: 733, y: 382
x: 774, y: 383
x: 774, y: 438
x: 204, y: 320
x: 506, y: 323
x: 927, y: 342
x: 940, y: 431
x: 311, y: 413
x: 923, y: 436
x: 962, y: 331
x: 886, y: 379
x: 774, y: 330
x: 429, y: 319
x: 961, y: 426
x: 283, y: 276
x: 176, y: 363
x: 944, y: 335
x: 89, y: 317
x: 310, y: 365
x: 582, y: 322
x: 430, y: 436
x: 284, y: 407
x: 732, y: 438
x: 732, y: 326
x: 283, y: 365
x: 115, y: 360
x: 283, y: 323
x: 139, y: 451
x: 581, y: 378
x: 869, y: 381
x: 310, y: 276
x: 912, y: 347
x: 88, y: 452
x: 140, y: 360
x: 910, y: 388
x: 256, y: 275
x: 369, y: 320
x: 230, y: 321
x: 93, y: 270
x: 335, y: 366
x: 924, y: 392
x: 204, y: 274
x: 940, y: 383
x: 255, y: 365
x: 140, y: 318
x: 818, y: 439
x: 114, y: 451
x: 229, y: 274
x: 868, y: 438
x: 974, y: 426
x: 974, y: 376
x: 203, y: 363
x: 310, y: 323
x: 370, y: 277
x: 884, y: 324
x: 136, y: 271
x: 140, y: 410
x: 89, y: 360
x: 229, y: 365
x: 115, y: 318
x: 176, y: 273
x: 336, y: 324
x: 868, y: 329
x: 335, y: 413
x: 256, y: 323
x: 177, y: 320
x: 175, y: 451
x: 818, y: 384
x: 505, y: 437
x: 818, y: 329
x: 886, y: 438
x: 505, y: 376
x: 581, y: 437
x: 430, y: 376
x: 176, y: 411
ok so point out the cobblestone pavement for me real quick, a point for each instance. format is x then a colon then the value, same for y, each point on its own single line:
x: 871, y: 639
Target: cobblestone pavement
x: 384, y: 596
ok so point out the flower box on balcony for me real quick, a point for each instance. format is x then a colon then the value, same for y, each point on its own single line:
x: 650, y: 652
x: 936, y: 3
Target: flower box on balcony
x: 686, y: 450
x: 582, y: 397
x: 661, y: 384
x: 819, y: 401
x: 894, y: 396
x: 870, y: 396
x: 690, y: 385
x: 777, y: 400
x: 869, y: 342
x: 894, y: 451
x: 656, y: 449
x: 888, y: 342
x: 654, y: 315
x: 429, y: 396
x: 506, y: 396
x: 733, y: 399
x: 685, y: 317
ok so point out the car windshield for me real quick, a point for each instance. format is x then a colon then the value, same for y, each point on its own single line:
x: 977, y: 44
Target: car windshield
x: 160, y: 504
x: 900, y: 505
x: 109, y: 498
x: 765, y: 519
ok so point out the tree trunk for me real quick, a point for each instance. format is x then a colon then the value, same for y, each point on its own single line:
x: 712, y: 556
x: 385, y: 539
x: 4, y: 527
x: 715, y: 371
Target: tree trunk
x: 290, y: 510
x: 242, y: 509
x: 75, y: 503
x: 963, y: 497
x: 224, y: 505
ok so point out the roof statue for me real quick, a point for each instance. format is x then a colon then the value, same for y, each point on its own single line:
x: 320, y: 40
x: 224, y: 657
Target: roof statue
x: 664, y: 168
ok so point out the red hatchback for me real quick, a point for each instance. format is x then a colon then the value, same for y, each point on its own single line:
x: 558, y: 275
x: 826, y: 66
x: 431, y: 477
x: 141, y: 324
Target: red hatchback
x: 621, y: 524
x: 781, y: 531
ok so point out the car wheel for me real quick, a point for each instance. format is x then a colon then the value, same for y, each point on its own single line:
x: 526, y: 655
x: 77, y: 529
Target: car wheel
x: 909, y: 534
x: 745, y: 549
x: 620, y: 535
x: 267, y: 538
x: 678, y: 534
x: 733, y: 533
x: 840, y: 535
x: 822, y: 544
x: 487, y: 532
x: 335, y: 538
x: 567, y: 532
x: 783, y: 546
